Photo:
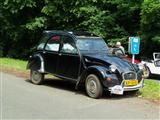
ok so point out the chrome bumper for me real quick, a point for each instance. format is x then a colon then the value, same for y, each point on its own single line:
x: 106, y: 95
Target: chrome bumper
x: 119, y: 89
x: 131, y: 88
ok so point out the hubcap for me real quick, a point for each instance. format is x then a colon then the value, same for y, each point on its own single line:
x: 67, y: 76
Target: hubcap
x: 146, y: 72
x: 36, y: 76
x: 92, y: 87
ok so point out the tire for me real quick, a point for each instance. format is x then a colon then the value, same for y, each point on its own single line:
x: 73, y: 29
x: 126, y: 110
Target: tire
x: 93, y: 86
x: 146, y: 72
x: 36, y: 77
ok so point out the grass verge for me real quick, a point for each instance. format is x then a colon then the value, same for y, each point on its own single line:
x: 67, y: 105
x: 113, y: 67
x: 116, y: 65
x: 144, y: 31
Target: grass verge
x: 13, y: 63
x: 151, y: 90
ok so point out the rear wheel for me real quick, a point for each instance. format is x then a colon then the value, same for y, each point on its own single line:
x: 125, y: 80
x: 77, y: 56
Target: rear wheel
x: 36, y: 77
x: 93, y: 86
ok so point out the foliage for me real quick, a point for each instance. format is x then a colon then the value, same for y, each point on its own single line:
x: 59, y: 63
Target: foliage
x: 36, y: 23
x: 150, y: 24
x: 22, y: 21
x: 15, y: 36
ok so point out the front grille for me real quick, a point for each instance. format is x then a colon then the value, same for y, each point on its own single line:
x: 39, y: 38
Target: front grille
x: 139, y: 75
x: 130, y: 76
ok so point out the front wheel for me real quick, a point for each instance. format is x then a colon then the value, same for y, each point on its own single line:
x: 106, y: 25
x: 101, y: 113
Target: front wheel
x: 36, y: 77
x: 146, y: 72
x: 93, y: 86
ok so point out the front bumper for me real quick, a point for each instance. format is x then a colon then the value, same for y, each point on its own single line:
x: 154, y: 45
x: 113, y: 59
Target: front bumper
x: 119, y: 89
x: 131, y: 88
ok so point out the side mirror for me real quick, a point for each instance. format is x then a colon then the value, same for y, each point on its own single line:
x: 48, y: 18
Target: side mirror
x: 157, y: 63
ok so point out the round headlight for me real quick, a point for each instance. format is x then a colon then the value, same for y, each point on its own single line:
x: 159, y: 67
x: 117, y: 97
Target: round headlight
x: 140, y: 66
x: 112, y: 68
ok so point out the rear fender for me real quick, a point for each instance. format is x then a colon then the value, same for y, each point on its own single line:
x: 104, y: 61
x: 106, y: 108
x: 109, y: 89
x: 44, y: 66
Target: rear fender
x: 36, y: 63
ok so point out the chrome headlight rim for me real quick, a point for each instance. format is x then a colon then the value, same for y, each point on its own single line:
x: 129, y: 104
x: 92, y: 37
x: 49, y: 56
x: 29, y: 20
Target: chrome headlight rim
x: 112, y: 68
x: 141, y: 66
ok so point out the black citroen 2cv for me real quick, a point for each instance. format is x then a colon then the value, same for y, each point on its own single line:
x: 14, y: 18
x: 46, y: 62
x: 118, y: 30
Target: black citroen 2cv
x: 84, y: 58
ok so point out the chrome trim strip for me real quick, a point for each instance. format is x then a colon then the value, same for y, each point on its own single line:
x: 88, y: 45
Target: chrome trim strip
x: 60, y: 76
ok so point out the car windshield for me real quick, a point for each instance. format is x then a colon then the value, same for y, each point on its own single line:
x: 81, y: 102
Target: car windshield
x: 91, y: 45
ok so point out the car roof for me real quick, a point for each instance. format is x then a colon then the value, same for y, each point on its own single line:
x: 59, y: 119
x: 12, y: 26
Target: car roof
x: 75, y: 33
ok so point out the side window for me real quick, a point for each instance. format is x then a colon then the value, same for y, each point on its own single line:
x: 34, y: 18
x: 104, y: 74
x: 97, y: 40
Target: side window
x: 53, y: 43
x: 42, y: 42
x: 157, y: 56
x: 68, y: 45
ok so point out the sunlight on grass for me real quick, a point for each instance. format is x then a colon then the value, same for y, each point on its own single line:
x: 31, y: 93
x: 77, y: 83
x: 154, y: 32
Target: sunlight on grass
x: 151, y: 89
x: 13, y: 63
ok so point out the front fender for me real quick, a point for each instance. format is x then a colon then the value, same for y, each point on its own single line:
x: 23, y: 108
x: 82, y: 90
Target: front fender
x: 102, y: 73
x: 99, y: 70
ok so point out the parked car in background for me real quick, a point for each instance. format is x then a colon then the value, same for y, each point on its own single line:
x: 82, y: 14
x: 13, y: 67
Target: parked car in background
x: 83, y: 58
x: 118, y: 52
x: 153, y: 65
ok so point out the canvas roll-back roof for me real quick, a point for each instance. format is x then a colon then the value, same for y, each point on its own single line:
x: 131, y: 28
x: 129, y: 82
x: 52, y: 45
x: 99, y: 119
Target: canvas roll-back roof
x: 76, y: 33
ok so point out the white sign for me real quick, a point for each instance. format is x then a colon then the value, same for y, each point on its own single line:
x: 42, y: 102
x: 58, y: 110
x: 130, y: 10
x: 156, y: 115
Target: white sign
x: 117, y: 89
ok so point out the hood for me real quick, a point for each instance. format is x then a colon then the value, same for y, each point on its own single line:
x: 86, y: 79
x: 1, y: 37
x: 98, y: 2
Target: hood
x: 107, y: 60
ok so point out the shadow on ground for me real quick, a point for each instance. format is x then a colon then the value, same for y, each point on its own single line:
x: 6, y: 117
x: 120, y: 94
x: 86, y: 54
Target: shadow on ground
x: 155, y: 77
x: 70, y: 86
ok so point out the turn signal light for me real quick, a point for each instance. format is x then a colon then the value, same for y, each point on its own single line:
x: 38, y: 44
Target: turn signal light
x: 108, y: 79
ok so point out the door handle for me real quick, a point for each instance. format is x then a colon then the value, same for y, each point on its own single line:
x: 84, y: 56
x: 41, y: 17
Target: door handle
x: 60, y: 54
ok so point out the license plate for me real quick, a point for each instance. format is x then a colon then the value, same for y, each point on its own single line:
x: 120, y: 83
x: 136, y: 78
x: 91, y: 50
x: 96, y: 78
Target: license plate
x: 130, y: 82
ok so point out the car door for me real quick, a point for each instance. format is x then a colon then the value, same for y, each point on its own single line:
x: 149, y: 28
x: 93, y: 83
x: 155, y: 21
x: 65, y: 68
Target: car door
x: 155, y: 69
x: 50, y: 54
x: 69, y: 59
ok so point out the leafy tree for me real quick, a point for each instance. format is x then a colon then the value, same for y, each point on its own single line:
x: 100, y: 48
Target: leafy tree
x: 16, y: 16
x: 150, y: 25
x: 22, y: 21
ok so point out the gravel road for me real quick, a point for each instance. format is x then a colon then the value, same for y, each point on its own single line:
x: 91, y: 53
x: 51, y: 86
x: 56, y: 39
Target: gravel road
x: 57, y: 99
